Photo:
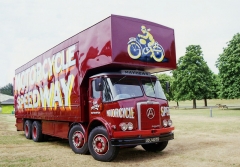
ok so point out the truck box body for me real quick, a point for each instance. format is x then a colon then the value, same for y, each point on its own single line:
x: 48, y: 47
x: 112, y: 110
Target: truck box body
x: 98, y: 48
x: 54, y: 87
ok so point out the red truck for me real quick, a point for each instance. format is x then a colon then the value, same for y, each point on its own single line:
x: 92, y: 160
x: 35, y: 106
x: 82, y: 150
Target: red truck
x: 96, y: 89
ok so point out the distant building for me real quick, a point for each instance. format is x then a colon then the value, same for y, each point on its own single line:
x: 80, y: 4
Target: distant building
x: 4, y: 97
x: 7, y: 106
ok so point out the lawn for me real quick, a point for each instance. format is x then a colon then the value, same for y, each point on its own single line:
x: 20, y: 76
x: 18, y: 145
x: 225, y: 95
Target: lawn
x: 210, y: 102
x: 200, y: 140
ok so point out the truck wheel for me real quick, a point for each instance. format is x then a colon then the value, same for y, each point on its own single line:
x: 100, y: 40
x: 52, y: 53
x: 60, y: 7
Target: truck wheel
x: 99, y: 145
x: 28, y: 129
x: 154, y: 147
x: 77, y: 141
x: 37, y: 135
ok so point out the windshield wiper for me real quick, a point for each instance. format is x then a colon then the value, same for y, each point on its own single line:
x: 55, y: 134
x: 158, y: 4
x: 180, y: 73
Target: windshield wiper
x: 153, y: 86
x: 119, y: 80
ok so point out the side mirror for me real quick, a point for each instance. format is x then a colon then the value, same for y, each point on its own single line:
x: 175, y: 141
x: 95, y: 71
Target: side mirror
x: 99, y: 84
x: 168, y: 87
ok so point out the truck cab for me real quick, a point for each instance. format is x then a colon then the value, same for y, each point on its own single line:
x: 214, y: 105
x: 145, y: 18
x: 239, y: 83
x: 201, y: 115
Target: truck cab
x: 134, y: 110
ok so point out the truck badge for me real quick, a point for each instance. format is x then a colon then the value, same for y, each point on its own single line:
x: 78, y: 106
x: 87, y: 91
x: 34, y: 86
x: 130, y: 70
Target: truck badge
x: 95, y: 106
x: 150, y: 113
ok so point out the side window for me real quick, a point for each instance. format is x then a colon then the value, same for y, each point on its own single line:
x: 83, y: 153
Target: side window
x: 107, y: 94
x: 95, y: 94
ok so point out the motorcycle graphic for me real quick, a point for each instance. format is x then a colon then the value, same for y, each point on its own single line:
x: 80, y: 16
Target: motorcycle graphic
x: 138, y: 47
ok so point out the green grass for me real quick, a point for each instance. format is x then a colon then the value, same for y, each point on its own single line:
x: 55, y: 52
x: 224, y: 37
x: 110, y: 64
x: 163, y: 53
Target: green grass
x: 200, y: 140
x: 200, y: 120
x: 235, y: 112
x: 210, y: 102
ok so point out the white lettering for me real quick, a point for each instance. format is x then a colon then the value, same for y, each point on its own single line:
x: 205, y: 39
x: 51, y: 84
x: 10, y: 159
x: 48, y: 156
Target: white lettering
x: 41, y: 86
x: 121, y: 112
x: 67, y: 88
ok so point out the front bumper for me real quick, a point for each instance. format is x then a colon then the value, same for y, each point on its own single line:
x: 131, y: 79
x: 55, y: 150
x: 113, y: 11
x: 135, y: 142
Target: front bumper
x: 142, y: 140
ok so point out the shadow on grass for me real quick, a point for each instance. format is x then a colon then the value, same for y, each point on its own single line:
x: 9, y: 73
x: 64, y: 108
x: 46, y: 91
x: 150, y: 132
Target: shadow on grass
x: 138, y: 155
x: 50, y: 140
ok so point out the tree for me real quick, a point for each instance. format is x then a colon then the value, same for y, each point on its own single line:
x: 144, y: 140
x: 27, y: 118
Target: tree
x: 7, y: 89
x: 192, y: 78
x: 228, y: 65
x: 163, y: 78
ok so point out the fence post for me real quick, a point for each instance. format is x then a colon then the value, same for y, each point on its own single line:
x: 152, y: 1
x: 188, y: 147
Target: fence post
x: 210, y: 112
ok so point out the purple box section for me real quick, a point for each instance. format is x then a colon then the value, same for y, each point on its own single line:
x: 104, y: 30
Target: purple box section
x: 124, y: 28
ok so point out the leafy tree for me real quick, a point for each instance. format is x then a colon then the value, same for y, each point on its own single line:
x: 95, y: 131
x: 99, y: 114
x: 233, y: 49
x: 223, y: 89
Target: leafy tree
x: 192, y: 78
x: 228, y: 65
x: 7, y: 89
x: 163, y: 79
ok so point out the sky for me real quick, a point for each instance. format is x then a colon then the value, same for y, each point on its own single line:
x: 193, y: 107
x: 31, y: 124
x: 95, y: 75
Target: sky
x: 28, y: 28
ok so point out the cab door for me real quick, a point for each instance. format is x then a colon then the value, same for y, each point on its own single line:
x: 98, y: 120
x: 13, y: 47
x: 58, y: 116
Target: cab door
x: 94, y: 101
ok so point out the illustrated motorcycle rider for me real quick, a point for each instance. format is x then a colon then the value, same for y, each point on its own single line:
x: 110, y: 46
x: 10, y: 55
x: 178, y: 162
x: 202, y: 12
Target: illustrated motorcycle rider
x: 148, y: 37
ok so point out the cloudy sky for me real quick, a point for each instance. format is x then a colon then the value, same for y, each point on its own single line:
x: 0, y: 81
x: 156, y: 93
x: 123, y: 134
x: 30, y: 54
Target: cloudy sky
x: 31, y: 27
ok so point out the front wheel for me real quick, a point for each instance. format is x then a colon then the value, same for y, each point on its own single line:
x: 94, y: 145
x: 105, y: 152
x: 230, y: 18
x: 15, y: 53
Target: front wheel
x: 99, y: 145
x: 77, y: 140
x: 155, y: 147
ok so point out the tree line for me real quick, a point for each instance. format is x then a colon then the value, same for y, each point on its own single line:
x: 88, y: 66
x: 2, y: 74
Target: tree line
x: 193, y: 79
x: 7, y: 89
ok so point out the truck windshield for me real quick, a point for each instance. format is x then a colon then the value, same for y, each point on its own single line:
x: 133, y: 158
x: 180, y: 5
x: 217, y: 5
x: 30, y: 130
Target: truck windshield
x: 153, y: 88
x: 117, y: 88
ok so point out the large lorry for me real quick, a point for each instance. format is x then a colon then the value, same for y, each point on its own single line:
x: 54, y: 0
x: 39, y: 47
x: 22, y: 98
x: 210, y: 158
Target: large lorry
x: 96, y: 89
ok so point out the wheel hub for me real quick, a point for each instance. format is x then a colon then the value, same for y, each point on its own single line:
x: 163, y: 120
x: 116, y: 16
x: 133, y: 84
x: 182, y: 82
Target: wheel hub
x: 78, y: 139
x: 100, y: 144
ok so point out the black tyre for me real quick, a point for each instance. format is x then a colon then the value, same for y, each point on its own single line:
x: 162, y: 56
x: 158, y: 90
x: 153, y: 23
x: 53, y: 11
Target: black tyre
x: 77, y: 140
x: 99, y: 145
x: 155, y: 147
x: 28, y: 129
x: 37, y: 135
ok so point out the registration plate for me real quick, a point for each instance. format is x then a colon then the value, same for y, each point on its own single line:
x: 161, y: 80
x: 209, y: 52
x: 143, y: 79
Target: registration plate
x: 152, y: 140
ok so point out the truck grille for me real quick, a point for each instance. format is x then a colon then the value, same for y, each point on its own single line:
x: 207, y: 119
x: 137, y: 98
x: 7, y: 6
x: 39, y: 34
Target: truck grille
x: 148, y: 115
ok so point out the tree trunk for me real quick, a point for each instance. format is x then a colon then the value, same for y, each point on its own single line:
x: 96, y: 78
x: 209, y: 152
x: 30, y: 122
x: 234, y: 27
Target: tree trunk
x: 205, y: 102
x: 177, y: 104
x: 194, y: 104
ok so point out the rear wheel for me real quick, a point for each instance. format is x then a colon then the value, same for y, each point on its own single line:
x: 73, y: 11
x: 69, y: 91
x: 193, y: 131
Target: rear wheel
x: 99, y: 145
x: 37, y: 135
x: 28, y: 129
x: 154, y: 147
x: 77, y: 140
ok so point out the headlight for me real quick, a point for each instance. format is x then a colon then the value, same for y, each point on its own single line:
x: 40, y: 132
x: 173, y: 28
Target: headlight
x: 169, y: 122
x: 126, y: 126
x: 123, y: 126
x: 165, y: 123
x: 130, y: 126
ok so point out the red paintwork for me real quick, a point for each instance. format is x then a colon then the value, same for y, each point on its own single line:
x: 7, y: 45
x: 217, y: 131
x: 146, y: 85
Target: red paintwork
x: 145, y: 121
x: 142, y: 133
x: 100, y: 48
